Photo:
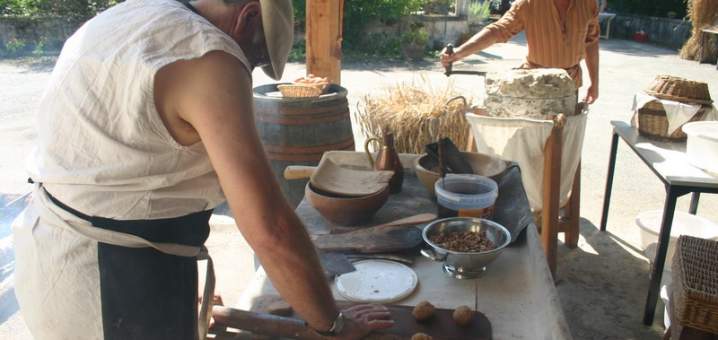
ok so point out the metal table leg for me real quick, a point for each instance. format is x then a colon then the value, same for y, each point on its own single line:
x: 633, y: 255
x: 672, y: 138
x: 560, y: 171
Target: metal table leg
x: 694, y: 203
x: 609, y: 181
x: 658, y: 263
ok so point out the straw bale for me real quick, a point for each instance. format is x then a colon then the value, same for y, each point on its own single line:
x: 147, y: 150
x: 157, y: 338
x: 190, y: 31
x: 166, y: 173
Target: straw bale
x: 417, y: 113
x: 702, y: 13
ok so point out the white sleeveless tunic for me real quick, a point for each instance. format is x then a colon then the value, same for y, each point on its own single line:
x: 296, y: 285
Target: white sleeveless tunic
x: 102, y: 147
x: 103, y: 150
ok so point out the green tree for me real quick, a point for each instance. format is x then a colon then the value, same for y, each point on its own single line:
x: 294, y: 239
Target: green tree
x: 75, y: 9
x: 359, y: 13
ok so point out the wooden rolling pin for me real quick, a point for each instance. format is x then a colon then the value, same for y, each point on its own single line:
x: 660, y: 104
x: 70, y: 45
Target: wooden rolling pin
x: 275, y: 326
x: 263, y: 324
x: 293, y: 172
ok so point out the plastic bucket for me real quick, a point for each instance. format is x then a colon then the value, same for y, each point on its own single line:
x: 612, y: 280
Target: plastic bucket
x: 466, y: 196
x: 683, y: 224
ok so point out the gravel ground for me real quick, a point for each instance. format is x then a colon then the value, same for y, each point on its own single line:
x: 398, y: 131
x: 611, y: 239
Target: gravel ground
x: 602, y: 284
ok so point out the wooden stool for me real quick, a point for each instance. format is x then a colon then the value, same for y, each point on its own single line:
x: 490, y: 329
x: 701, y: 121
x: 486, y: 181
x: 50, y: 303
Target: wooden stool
x: 552, y: 221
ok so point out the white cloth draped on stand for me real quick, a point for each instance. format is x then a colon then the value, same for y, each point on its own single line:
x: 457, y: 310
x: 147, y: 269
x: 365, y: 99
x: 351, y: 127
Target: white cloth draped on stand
x: 522, y: 140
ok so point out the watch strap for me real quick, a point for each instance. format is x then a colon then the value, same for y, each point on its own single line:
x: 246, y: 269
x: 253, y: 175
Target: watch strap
x: 337, y: 326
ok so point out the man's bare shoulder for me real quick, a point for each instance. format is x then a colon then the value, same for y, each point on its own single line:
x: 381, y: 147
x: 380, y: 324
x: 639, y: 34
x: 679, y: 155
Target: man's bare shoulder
x: 211, y: 65
x: 213, y: 85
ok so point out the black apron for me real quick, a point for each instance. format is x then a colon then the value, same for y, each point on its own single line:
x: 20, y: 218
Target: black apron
x: 147, y: 294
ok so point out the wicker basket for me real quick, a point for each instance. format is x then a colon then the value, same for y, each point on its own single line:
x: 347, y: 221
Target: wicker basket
x: 679, y: 89
x: 695, y: 283
x: 653, y: 122
x: 299, y: 91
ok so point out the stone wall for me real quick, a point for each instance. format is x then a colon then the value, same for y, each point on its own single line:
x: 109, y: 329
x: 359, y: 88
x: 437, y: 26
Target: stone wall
x: 671, y: 33
x: 27, y: 33
x: 444, y: 29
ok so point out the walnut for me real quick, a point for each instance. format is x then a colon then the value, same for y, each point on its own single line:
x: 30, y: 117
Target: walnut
x: 421, y: 336
x: 463, y: 316
x: 466, y: 241
x: 423, y: 311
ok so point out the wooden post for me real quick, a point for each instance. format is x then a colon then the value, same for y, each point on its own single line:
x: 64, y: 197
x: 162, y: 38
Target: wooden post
x: 324, y: 38
x: 551, y: 192
x: 573, y: 225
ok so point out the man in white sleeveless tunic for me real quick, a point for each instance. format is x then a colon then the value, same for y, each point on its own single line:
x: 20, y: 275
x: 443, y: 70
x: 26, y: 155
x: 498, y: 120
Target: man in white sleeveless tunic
x: 146, y: 125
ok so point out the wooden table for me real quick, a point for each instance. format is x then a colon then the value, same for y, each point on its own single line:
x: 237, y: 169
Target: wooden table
x: 669, y: 162
x: 516, y: 293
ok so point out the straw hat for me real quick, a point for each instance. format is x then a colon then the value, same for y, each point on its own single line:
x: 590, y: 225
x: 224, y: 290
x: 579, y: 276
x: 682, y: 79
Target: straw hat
x: 278, y: 24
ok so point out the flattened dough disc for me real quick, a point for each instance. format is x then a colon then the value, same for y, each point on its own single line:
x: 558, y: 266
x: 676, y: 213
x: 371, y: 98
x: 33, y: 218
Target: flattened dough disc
x: 331, y: 177
x: 377, y: 281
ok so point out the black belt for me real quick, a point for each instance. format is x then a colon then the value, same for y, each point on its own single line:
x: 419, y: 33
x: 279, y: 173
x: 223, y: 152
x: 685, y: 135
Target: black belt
x: 190, y: 230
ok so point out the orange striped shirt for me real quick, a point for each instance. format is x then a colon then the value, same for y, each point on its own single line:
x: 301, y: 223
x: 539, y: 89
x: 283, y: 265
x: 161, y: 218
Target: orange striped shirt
x: 552, y: 41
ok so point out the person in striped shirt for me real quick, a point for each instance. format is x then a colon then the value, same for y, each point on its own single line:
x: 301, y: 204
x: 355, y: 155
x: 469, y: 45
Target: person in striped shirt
x: 559, y: 33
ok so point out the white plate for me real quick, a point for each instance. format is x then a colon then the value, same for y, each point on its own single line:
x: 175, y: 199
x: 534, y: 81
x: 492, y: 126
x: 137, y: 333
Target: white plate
x: 377, y: 281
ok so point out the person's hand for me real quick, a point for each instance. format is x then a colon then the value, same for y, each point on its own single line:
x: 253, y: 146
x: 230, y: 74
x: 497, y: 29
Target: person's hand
x: 446, y: 58
x: 360, y: 320
x: 591, y: 94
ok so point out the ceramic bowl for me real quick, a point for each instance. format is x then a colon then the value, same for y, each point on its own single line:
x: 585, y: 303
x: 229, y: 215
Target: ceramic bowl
x: 426, y: 168
x: 342, y: 210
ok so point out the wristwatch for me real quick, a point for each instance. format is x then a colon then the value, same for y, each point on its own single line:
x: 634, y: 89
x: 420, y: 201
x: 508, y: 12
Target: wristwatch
x: 337, y: 327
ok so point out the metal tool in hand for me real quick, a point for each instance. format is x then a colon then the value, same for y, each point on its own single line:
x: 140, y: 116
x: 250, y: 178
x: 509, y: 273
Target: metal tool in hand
x: 450, y: 68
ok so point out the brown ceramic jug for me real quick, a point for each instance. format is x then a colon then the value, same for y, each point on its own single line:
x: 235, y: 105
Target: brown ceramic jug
x: 387, y: 159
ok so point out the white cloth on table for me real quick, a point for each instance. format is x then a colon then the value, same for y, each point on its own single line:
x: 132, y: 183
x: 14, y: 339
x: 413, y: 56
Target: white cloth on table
x: 522, y: 140
x: 712, y: 114
x: 677, y: 113
x: 516, y: 293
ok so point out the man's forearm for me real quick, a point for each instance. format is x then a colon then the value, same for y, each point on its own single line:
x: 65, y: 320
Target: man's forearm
x: 213, y: 94
x: 283, y: 245
x: 476, y: 43
x: 592, y: 63
x: 292, y: 264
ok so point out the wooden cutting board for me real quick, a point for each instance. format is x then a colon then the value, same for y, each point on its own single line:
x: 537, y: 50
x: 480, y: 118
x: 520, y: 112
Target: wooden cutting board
x: 441, y: 326
x: 371, y: 240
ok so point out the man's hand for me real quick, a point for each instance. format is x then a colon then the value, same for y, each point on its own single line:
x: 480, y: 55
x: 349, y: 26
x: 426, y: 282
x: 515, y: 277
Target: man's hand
x: 362, y: 320
x: 591, y: 94
x: 446, y: 59
x: 476, y: 43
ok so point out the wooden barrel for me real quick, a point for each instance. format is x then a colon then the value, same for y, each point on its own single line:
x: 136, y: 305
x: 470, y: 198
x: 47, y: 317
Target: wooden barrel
x: 297, y: 131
